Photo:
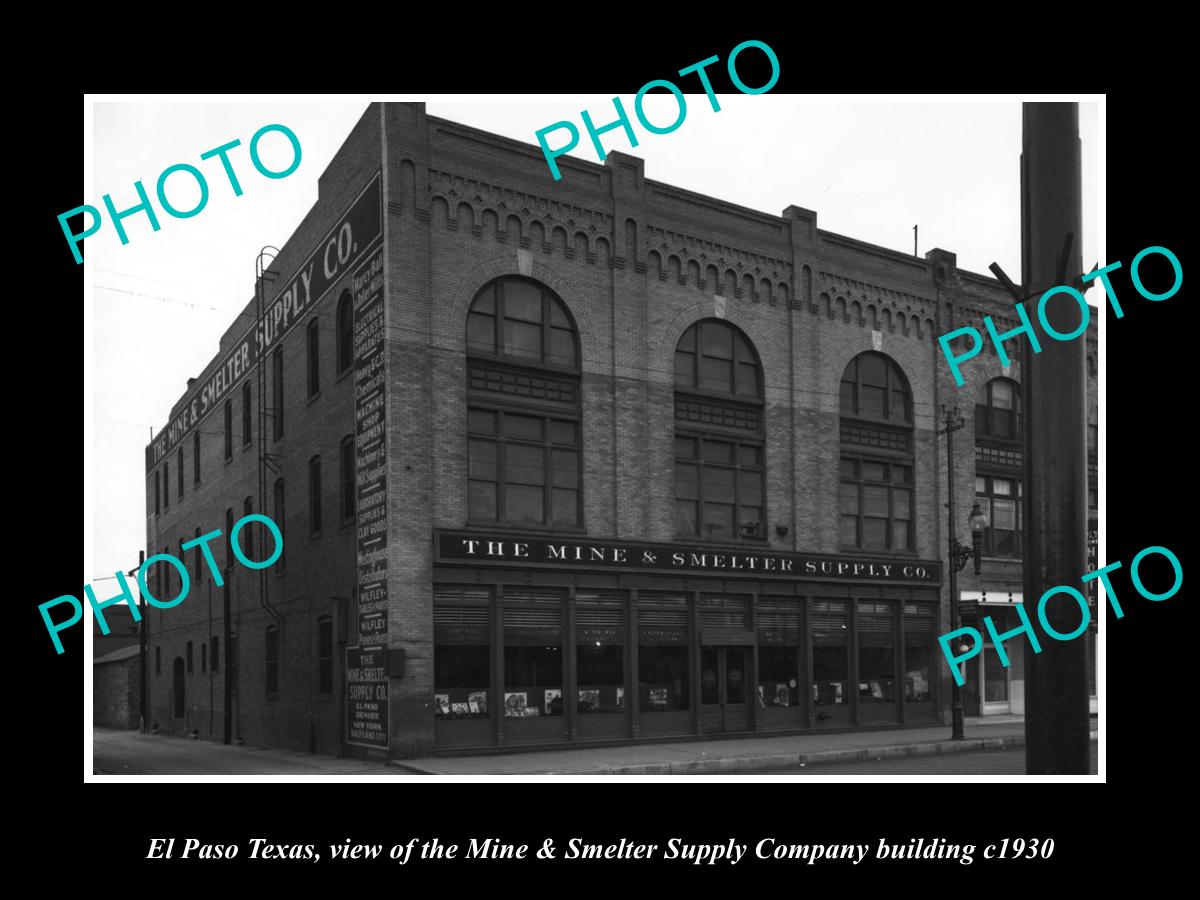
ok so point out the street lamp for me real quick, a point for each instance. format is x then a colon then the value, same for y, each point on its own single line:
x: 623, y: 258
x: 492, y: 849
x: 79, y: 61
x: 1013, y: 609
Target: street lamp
x: 959, y: 553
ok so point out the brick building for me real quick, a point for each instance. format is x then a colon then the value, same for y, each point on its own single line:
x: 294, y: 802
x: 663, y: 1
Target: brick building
x: 577, y: 460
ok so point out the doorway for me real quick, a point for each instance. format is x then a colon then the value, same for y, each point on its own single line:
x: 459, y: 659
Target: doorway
x: 994, y: 688
x: 724, y: 689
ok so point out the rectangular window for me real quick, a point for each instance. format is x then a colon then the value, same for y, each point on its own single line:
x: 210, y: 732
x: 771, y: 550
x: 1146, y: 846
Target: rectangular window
x: 314, y: 358
x: 179, y: 471
x: 314, y: 495
x: 166, y: 470
x: 157, y: 494
x: 876, y: 653
x: 600, y: 653
x: 533, y: 654
x: 831, y: 665
x: 347, y: 479
x: 719, y: 488
x: 779, y: 660
x: 246, y: 393
x: 271, y: 654
x: 523, y: 468
x: 918, y: 654
x: 325, y: 655
x: 462, y: 657
x: 196, y: 457
x: 277, y: 392
x: 876, y: 505
x: 663, y: 653
x: 228, y: 429
x: 1000, y: 500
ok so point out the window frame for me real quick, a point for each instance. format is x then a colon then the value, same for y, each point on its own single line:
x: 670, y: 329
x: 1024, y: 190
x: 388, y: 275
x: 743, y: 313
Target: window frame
x: 892, y: 370
x: 738, y: 440
x: 196, y: 457
x: 247, y: 415
x: 987, y: 414
x: 179, y: 470
x: 312, y: 342
x: 348, y: 479
x: 1017, y: 497
x: 345, y: 333
x: 314, y: 496
x: 861, y: 483
x: 549, y: 300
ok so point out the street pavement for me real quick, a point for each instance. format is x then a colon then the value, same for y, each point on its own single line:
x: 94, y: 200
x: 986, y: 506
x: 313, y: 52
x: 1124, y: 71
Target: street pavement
x: 989, y: 762
x: 895, y: 751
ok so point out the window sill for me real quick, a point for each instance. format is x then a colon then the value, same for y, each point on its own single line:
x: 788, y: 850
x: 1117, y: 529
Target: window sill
x: 526, y: 527
x: 313, y: 398
x: 341, y: 375
x: 1003, y: 559
x: 314, y: 536
x: 862, y: 551
x: 723, y: 542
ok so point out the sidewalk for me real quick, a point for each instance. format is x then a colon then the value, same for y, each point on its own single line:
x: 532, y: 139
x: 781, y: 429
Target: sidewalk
x: 741, y: 755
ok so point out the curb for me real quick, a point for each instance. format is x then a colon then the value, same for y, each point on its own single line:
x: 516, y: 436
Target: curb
x: 719, y: 766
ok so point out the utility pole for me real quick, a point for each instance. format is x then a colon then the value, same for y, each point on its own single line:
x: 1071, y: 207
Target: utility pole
x: 1053, y: 389
x: 142, y: 627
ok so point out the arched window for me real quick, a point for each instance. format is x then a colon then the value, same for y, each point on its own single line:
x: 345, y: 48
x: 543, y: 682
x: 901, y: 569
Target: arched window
x: 719, y: 465
x: 876, y: 467
x: 346, y: 464
x: 345, y: 333
x: 523, y: 420
x: 998, y: 486
x: 203, y: 657
x: 1000, y: 415
x: 271, y: 654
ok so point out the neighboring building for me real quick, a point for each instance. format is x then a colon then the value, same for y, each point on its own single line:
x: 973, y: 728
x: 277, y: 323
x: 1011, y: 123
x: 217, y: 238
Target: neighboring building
x: 117, y: 689
x: 563, y: 461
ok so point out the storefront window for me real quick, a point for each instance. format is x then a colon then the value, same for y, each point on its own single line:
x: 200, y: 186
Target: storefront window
x: 779, y: 634
x: 462, y: 624
x: 876, y: 653
x: 533, y: 654
x: 663, y: 659
x: 918, y: 652
x: 600, y: 653
x: 830, y: 660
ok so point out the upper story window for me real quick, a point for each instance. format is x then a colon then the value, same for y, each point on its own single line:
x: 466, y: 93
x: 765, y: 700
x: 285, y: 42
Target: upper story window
x: 523, y: 420
x: 346, y: 477
x: 196, y: 457
x: 179, y: 470
x: 719, y: 465
x: 314, y: 357
x: 345, y: 333
x: 873, y: 387
x: 245, y: 415
x: 277, y: 392
x: 1000, y: 415
x: 157, y: 494
x: 876, y: 468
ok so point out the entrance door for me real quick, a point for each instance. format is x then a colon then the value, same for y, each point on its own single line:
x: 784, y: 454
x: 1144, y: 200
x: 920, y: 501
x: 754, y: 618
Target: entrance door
x: 994, y: 688
x: 724, y: 689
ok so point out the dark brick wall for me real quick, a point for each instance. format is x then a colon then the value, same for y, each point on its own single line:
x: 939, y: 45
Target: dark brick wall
x: 116, y: 694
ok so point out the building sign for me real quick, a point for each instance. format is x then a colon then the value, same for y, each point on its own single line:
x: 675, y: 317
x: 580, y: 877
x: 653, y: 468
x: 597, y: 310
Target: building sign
x: 624, y: 556
x: 366, y: 697
x: 350, y: 239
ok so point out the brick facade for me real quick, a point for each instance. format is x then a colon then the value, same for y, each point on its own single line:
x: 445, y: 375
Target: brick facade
x: 636, y: 262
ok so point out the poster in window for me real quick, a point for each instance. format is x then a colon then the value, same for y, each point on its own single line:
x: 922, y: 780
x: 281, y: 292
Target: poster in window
x: 554, y: 704
x: 478, y: 701
x: 515, y: 703
x: 442, y: 702
x: 620, y: 698
x: 460, y: 709
x: 782, y: 695
x: 589, y: 700
x: 658, y: 697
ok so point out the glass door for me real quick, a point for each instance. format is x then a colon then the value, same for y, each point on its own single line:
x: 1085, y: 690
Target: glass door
x: 724, y: 689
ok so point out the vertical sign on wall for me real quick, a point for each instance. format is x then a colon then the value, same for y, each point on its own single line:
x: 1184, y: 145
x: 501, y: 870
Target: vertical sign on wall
x: 366, y: 673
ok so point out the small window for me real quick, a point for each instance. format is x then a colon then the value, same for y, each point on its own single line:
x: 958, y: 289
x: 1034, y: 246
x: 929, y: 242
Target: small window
x: 247, y: 533
x: 347, y: 478
x: 157, y: 494
x: 245, y: 414
x: 277, y: 392
x: 189, y: 657
x: 166, y: 470
x: 228, y: 538
x: 196, y: 457
x: 229, y: 429
x: 325, y: 655
x: 1000, y: 415
x: 179, y: 471
x: 203, y: 657
x: 272, y: 658
x: 314, y: 495
x: 345, y: 331
x: 280, y: 520
x: 158, y: 660
x: 314, y: 357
